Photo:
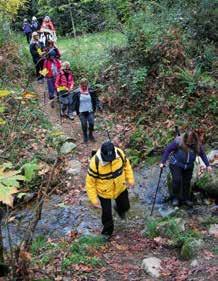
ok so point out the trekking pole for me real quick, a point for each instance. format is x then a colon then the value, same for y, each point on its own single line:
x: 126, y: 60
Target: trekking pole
x: 155, y: 196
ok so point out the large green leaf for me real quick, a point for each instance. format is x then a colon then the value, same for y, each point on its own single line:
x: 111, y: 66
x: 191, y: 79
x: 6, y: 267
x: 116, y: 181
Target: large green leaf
x: 30, y: 170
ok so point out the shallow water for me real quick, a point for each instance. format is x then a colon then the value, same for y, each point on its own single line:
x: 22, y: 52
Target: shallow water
x: 57, y: 219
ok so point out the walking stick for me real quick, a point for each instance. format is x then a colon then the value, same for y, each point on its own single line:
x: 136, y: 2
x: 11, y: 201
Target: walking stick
x: 155, y: 196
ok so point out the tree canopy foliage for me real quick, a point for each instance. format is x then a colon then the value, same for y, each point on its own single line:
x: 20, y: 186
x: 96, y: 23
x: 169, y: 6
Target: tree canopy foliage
x: 11, y: 7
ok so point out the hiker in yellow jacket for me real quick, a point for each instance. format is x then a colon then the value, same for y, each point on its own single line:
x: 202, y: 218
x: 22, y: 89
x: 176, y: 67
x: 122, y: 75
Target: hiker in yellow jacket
x: 108, y: 176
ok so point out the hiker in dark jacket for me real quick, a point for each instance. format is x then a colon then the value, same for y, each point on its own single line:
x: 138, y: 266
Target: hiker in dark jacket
x: 27, y: 30
x: 182, y: 153
x: 37, y: 52
x: 85, y: 103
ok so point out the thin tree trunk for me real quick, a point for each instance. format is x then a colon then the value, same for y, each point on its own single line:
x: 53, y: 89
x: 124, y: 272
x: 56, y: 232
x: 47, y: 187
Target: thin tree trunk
x: 72, y: 20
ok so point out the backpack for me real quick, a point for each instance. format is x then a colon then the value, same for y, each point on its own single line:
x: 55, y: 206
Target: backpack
x: 97, y: 159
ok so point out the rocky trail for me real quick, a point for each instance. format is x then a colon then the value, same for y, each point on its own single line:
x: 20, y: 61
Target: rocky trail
x: 130, y: 255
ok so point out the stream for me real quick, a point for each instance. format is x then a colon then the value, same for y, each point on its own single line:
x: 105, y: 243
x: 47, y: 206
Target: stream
x: 58, y: 219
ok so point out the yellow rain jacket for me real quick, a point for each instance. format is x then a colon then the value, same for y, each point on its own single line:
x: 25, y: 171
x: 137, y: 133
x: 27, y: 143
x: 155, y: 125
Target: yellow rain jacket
x: 108, y: 180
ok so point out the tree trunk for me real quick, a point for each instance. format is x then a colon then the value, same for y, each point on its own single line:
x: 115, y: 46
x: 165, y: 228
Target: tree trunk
x: 72, y: 20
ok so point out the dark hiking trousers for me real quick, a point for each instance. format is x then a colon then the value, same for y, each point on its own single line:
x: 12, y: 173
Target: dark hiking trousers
x: 87, y: 122
x: 122, y: 206
x: 181, y: 178
x: 39, y: 66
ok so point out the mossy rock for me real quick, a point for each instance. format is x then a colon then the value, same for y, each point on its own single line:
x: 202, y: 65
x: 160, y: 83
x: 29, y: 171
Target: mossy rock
x: 191, y: 248
x: 209, y: 183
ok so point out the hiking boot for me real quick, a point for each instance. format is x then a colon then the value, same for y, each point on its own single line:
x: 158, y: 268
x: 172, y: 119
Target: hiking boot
x: 52, y: 103
x: 91, y: 137
x: 188, y: 203
x: 175, y: 202
x: 106, y: 237
x: 85, y: 139
x: 70, y: 117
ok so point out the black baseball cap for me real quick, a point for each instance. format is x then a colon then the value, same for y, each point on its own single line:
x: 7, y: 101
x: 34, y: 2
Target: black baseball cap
x: 108, y: 153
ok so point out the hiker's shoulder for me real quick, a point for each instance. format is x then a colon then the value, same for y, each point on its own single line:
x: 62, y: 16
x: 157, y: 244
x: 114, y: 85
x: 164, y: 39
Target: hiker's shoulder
x: 76, y: 91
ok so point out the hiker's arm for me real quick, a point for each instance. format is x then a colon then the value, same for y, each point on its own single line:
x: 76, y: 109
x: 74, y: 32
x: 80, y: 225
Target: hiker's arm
x: 203, y: 156
x: 170, y: 148
x: 91, y: 186
x: 129, y: 173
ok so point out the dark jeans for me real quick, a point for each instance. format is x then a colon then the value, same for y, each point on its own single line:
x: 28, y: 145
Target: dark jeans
x: 51, y: 87
x: 87, y: 121
x: 181, y: 183
x: 122, y: 204
x: 28, y: 37
x: 39, y: 66
x: 66, y: 102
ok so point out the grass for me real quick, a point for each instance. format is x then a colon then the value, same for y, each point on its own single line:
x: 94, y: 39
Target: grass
x: 170, y: 228
x: 88, y: 54
x: 81, y: 252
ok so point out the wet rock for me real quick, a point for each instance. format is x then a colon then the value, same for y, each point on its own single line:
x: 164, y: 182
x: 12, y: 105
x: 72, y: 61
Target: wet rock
x: 147, y: 179
x: 73, y: 167
x: 166, y: 211
x: 67, y: 147
x: 194, y: 263
x: 191, y: 248
x: 152, y: 266
x: 213, y: 230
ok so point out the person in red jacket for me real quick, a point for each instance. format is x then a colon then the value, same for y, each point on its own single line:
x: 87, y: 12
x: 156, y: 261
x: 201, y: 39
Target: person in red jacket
x: 48, y: 24
x: 64, y: 84
x: 47, y: 31
x: 52, y: 67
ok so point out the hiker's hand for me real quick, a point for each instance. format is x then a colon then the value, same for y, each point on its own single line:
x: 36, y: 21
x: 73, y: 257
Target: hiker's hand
x: 130, y: 185
x: 162, y: 165
x: 209, y: 169
x: 97, y: 205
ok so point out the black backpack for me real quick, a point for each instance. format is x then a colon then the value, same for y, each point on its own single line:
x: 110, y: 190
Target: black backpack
x: 94, y: 153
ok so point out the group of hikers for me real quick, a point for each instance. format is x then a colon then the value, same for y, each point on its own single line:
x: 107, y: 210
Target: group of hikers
x: 46, y: 28
x: 110, y: 173
x: 82, y: 101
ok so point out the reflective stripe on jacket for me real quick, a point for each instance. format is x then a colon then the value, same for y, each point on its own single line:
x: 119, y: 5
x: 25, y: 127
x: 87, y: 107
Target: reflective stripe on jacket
x: 109, y: 179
